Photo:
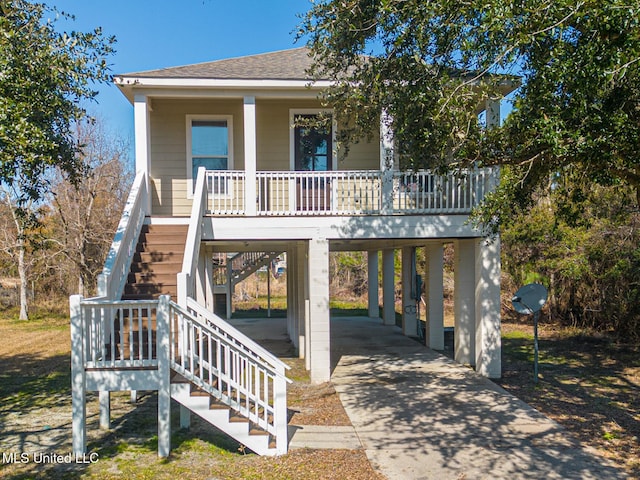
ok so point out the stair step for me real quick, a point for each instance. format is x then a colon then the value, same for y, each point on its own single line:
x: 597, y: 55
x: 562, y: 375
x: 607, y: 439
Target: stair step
x: 152, y: 278
x: 159, y: 228
x: 166, y: 267
x: 238, y: 419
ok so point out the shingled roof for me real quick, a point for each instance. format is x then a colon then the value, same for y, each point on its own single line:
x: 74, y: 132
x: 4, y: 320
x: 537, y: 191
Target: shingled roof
x: 282, y: 65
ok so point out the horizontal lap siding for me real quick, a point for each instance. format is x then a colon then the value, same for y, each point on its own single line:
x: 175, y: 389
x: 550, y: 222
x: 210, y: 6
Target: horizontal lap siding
x: 169, y: 148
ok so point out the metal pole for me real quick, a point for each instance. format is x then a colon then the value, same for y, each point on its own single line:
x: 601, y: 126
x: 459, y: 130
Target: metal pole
x: 269, y: 290
x: 535, y: 346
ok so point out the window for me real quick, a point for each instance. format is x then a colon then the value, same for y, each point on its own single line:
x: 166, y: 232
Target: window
x: 209, y: 146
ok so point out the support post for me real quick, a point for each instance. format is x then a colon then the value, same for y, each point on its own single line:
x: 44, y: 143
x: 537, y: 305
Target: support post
x: 464, y: 301
x: 388, y: 288
x: 104, y: 398
x: 487, y: 305
x: 434, y: 334
x: 185, y: 417
x: 373, y: 284
x: 319, y: 322
x: 164, y: 372
x: 409, y: 310
x: 78, y: 378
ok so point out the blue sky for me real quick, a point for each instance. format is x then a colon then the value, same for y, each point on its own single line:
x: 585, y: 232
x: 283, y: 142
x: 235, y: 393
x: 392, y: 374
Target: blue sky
x: 162, y: 33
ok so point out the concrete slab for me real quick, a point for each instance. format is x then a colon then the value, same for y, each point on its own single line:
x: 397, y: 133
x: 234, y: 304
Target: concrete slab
x: 316, y: 436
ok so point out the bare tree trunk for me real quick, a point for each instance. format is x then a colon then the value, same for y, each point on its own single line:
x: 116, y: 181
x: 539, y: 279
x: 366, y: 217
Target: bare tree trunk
x: 22, y: 272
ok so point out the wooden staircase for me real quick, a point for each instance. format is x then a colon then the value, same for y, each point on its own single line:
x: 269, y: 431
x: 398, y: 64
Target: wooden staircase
x: 156, y: 263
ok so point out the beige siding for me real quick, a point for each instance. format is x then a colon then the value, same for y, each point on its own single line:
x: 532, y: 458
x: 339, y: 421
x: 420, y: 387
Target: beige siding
x: 169, y: 148
x: 273, y: 131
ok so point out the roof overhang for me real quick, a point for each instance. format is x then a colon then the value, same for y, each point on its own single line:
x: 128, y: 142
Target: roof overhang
x: 132, y: 86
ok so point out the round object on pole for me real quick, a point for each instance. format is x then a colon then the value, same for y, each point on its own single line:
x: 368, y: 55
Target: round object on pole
x: 529, y: 298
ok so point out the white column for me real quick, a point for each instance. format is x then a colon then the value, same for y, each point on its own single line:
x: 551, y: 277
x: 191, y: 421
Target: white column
x: 487, y: 305
x: 464, y: 301
x: 142, y: 140
x: 434, y: 286
x: 387, y: 157
x: 492, y: 111
x: 303, y: 301
x: 250, y: 155
x: 388, y: 288
x: 319, y: 328
x: 372, y: 281
x: 409, y: 317
x: 292, y: 299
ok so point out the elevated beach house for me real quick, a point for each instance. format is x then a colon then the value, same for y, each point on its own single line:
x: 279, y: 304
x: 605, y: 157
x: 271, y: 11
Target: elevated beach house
x: 227, y: 180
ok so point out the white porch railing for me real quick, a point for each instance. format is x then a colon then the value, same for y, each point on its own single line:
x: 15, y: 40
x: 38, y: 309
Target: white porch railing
x: 116, y: 268
x: 344, y: 192
x: 427, y: 192
x: 226, y: 192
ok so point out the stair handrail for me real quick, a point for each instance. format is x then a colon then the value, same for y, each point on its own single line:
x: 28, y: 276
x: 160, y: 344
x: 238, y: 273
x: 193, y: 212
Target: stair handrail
x: 192, y: 243
x: 226, y: 364
x: 114, y: 274
x: 237, y: 337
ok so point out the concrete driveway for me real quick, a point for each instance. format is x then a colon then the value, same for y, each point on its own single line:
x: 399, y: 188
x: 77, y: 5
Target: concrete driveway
x: 419, y: 415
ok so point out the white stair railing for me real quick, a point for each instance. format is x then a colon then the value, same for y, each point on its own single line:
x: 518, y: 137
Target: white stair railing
x: 186, y: 278
x: 231, y: 367
x: 113, y: 278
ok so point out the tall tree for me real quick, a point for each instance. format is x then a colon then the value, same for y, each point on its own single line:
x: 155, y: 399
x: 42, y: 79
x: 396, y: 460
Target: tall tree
x: 84, y: 216
x: 45, y: 75
x: 429, y: 64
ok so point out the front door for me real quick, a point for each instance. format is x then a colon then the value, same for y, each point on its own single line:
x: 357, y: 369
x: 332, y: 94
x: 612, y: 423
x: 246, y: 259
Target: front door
x: 313, y: 153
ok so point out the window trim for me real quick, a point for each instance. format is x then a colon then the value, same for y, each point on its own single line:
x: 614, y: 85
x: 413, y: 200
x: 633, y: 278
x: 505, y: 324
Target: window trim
x: 189, y: 161
x: 292, y: 142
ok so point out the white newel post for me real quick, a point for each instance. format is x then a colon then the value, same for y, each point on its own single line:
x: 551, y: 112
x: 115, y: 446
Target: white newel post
x: 250, y: 155
x: 164, y: 372
x: 78, y: 378
x: 280, y: 414
x: 373, y: 284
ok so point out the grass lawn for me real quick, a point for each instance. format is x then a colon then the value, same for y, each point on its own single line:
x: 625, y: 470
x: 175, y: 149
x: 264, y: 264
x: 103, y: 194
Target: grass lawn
x: 588, y: 383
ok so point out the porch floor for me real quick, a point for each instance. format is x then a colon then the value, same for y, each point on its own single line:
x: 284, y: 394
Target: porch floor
x: 418, y: 414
